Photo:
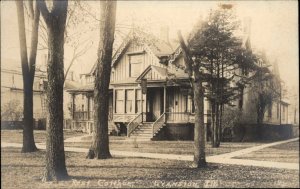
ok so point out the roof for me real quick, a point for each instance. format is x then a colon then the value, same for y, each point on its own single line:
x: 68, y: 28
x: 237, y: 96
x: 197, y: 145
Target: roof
x: 159, y: 47
x: 71, y: 85
x: 164, y: 73
x: 82, y: 88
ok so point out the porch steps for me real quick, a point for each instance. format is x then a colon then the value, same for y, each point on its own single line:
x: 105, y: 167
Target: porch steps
x: 143, y: 132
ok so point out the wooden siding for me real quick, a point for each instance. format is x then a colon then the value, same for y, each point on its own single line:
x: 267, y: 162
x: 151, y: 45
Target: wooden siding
x: 179, y: 61
x: 121, y: 68
x: 153, y: 75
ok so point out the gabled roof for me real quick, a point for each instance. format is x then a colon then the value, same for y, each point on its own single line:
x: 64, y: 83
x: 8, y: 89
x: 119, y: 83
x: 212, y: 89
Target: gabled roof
x: 157, y: 46
x: 162, y: 73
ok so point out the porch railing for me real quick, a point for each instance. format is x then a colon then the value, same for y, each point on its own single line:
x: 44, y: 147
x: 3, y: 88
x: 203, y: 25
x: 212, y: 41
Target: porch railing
x: 88, y: 115
x: 82, y: 115
x: 134, y: 124
x: 158, y: 124
x: 178, y: 116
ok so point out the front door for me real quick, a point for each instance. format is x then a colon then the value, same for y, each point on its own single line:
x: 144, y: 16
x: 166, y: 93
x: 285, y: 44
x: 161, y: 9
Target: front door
x: 155, y: 103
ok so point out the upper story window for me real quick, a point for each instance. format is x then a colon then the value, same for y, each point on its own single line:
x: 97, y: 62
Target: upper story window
x: 135, y: 65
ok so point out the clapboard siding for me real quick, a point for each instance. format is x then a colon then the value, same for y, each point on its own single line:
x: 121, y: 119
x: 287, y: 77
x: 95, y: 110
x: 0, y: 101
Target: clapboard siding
x: 121, y: 68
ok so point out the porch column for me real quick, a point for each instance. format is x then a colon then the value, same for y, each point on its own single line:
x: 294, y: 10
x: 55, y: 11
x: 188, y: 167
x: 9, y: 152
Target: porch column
x: 165, y: 99
x: 73, y: 106
x: 142, y: 106
x: 88, y: 106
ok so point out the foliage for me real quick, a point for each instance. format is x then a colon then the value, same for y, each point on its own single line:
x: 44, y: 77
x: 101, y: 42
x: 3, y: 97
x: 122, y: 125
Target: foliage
x: 12, y: 111
x: 231, y: 117
x: 266, y: 87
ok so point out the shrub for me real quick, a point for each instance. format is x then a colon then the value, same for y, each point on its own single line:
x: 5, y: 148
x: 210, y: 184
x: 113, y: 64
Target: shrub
x: 12, y: 111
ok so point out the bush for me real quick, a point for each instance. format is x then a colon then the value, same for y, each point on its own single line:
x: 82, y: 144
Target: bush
x: 230, y: 120
x: 12, y: 111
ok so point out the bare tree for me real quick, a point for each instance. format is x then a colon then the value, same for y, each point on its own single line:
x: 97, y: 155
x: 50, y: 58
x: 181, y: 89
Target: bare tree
x: 75, y: 37
x: 55, y: 155
x: 100, y: 145
x: 28, y: 70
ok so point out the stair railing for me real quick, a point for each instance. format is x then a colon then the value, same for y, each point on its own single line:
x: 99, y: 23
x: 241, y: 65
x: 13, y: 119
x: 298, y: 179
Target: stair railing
x: 134, y: 124
x: 158, y: 124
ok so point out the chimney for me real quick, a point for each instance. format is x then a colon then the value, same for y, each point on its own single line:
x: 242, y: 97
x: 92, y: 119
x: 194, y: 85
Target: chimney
x: 71, y: 75
x: 247, y: 26
x: 164, y: 33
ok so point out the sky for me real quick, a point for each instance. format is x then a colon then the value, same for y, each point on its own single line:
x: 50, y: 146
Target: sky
x: 274, y: 28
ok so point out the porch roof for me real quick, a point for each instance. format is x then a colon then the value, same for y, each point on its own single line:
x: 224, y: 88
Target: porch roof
x: 162, y: 73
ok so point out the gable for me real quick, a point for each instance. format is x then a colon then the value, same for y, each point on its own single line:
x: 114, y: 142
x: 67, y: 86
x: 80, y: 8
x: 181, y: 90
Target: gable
x: 153, y: 73
x: 150, y: 43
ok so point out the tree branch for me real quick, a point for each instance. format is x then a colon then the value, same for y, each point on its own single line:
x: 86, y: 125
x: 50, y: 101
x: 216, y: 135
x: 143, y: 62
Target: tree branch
x: 22, y: 38
x: 44, y: 10
x: 34, y: 42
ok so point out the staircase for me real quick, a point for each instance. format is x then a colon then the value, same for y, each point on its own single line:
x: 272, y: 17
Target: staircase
x: 143, y: 132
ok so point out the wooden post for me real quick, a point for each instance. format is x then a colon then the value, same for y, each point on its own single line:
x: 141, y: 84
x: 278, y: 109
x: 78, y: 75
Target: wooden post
x: 165, y: 103
x: 142, y: 105
x: 73, y: 106
x: 88, y: 106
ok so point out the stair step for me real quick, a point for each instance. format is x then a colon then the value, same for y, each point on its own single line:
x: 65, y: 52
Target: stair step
x: 140, y: 137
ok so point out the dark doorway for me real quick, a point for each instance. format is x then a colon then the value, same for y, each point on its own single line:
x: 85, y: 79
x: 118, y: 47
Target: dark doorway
x: 155, y: 103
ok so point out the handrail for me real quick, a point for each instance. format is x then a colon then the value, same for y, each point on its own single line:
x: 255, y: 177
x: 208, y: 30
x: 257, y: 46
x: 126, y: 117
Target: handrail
x: 134, y: 124
x: 158, y: 124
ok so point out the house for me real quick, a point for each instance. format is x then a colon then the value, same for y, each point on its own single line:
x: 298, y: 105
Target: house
x: 149, y: 95
x: 12, y: 87
x: 150, y: 92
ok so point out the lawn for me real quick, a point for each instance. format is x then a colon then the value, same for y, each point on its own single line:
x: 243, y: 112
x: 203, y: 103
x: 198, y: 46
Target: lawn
x: 24, y: 171
x: 288, y: 152
x: 16, y: 136
x: 166, y: 147
x: 121, y: 144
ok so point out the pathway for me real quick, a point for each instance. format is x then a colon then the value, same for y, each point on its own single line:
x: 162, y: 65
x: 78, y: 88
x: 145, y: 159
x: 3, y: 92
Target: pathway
x: 223, y: 158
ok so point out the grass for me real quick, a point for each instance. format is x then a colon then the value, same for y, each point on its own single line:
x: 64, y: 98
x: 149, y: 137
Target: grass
x: 288, y: 152
x: 16, y: 136
x: 166, y: 147
x: 24, y: 171
x: 119, y: 143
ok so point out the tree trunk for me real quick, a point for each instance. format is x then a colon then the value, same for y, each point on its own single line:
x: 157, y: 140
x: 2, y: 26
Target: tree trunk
x: 213, y: 125
x: 199, y: 129
x: 28, y: 72
x: 55, y: 155
x: 220, y: 124
x: 217, y: 127
x: 199, y: 135
x: 100, y: 145
x: 28, y: 137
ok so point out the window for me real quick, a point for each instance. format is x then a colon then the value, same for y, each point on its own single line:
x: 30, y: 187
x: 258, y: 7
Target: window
x: 138, y: 101
x: 278, y: 110
x: 135, y: 65
x: 270, y: 111
x: 129, y: 101
x: 119, y: 103
x: 193, y: 107
x: 283, y: 113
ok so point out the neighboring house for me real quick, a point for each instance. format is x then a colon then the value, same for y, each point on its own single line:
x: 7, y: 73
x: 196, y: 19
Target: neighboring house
x: 12, y: 87
x: 277, y: 112
x: 165, y: 110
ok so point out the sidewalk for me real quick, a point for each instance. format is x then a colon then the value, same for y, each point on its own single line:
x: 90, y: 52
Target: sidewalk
x: 223, y: 158
x: 76, y: 139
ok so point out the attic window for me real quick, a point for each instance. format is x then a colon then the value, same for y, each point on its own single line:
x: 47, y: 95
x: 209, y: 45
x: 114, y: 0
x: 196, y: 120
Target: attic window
x: 135, y: 65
